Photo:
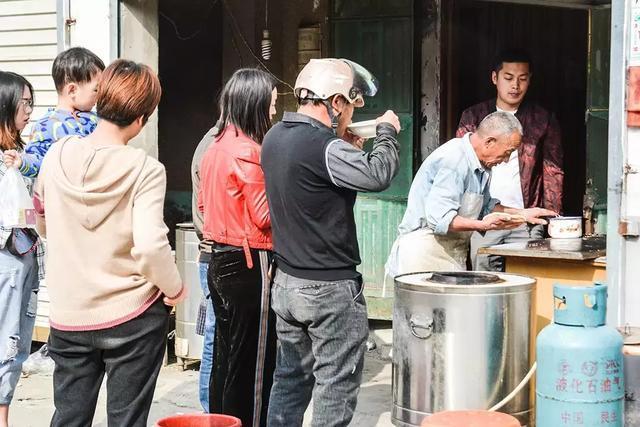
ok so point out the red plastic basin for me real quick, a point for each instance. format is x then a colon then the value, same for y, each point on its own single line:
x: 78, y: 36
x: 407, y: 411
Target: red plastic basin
x: 470, y: 419
x: 199, y: 420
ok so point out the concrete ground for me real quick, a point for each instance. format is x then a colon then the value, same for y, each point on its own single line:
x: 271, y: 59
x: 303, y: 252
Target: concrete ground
x: 177, y: 392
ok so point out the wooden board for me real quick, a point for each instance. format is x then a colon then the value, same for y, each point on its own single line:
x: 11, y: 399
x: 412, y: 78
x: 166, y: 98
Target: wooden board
x: 27, y: 68
x: 40, y: 333
x: 27, y: 38
x: 28, y: 22
x: 27, y: 7
x: 29, y: 53
x: 548, y: 272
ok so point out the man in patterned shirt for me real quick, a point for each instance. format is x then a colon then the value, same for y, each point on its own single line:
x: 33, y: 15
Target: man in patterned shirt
x: 533, y: 175
x: 76, y: 73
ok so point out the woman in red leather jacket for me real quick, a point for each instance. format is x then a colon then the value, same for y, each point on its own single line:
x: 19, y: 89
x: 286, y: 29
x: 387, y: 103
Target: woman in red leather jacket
x: 236, y: 217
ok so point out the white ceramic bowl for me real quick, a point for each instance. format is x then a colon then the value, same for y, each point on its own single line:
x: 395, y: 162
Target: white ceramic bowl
x: 366, y: 129
x: 565, y: 244
x: 565, y: 227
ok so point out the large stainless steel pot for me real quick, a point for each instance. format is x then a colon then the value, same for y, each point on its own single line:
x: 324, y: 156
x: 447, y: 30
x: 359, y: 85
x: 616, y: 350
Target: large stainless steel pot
x: 461, y: 340
x: 188, y: 344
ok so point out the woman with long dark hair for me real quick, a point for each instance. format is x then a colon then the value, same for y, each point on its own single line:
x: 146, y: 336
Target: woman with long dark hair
x: 20, y: 248
x: 236, y: 218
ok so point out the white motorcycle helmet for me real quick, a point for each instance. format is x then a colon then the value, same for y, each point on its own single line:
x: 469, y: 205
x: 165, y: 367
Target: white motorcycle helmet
x: 320, y: 79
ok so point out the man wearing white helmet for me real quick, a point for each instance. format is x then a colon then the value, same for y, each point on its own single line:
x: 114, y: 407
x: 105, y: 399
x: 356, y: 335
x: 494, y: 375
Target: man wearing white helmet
x: 313, y: 170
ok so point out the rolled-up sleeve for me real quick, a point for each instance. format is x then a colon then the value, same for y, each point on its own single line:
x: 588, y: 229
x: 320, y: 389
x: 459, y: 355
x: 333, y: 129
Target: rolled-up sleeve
x: 489, y: 206
x: 443, y: 201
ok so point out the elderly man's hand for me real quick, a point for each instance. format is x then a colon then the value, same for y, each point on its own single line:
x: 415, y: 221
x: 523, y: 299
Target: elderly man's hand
x: 499, y: 221
x: 533, y: 215
x: 12, y: 159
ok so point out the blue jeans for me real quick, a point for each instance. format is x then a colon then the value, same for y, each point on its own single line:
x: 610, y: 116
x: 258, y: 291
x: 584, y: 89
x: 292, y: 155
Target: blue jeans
x: 18, y: 300
x: 206, y: 363
x: 322, y: 329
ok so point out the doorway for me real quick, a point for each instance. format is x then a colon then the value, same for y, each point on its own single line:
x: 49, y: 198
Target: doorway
x: 190, y: 70
x: 557, y: 39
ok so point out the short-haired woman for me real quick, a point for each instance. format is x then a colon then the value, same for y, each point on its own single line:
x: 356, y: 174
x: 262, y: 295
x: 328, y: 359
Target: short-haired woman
x: 236, y: 218
x: 20, y: 249
x: 110, y: 272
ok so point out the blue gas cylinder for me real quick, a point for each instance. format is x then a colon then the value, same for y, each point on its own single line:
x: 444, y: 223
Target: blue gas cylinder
x: 580, y: 380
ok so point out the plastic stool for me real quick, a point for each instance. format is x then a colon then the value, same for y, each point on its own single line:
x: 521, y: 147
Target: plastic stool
x: 470, y: 419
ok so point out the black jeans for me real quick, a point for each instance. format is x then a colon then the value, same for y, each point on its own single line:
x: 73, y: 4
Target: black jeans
x: 245, y: 337
x: 131, y: 356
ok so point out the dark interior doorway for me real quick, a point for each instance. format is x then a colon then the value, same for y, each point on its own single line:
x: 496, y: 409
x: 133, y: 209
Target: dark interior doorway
x: 557, y: 41
x: 190, y: 70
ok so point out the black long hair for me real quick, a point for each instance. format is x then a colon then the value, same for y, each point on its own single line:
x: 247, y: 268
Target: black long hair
x: 245, y: 102
x: 11, y: 89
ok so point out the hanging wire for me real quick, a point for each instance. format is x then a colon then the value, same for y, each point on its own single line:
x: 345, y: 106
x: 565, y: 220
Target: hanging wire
x: 246, y: 44
x: 197, y: 32
x: 235, y: 47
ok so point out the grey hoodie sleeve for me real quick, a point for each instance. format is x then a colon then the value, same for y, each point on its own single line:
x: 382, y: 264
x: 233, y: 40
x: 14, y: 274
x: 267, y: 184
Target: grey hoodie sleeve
x: 201, y: 149
x: 350, y: 167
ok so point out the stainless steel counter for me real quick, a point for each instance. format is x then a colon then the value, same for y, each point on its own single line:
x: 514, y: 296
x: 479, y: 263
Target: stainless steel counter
x: 587, y: 248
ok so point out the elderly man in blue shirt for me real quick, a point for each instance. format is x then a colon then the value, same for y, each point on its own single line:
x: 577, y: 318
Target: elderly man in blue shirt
x: 449, y: 199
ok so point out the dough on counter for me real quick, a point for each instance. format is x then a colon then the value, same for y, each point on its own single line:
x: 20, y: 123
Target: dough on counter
x: 507, y: 217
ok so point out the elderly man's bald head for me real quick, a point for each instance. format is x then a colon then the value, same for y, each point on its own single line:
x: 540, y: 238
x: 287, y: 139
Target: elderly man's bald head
x: 499, y: 123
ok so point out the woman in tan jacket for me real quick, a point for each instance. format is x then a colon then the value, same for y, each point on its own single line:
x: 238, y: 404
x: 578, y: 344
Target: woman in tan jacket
x: 110, y: 269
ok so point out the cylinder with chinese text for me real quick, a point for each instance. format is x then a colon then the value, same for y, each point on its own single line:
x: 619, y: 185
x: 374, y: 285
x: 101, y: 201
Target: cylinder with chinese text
x: 580, y: 379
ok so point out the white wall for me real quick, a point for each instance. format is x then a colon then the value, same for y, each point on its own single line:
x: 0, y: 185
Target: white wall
x: 139, y: 42
x: 28, y: 45
x: 95, y: 24
x: 33, y: 32
x: 430, y: 79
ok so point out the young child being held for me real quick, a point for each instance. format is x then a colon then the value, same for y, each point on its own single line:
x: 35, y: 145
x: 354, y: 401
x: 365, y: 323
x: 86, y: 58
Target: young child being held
x: 76, y: 73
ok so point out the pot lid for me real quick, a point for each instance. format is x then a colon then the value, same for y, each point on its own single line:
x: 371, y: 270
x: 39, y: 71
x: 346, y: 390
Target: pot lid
x: 185, y: 226
x: 630, y: 334
x: 464, y: 282
x: 464, y: 278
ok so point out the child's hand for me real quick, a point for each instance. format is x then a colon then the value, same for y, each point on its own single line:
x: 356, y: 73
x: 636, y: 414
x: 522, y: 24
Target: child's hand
x: 12, y: 158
